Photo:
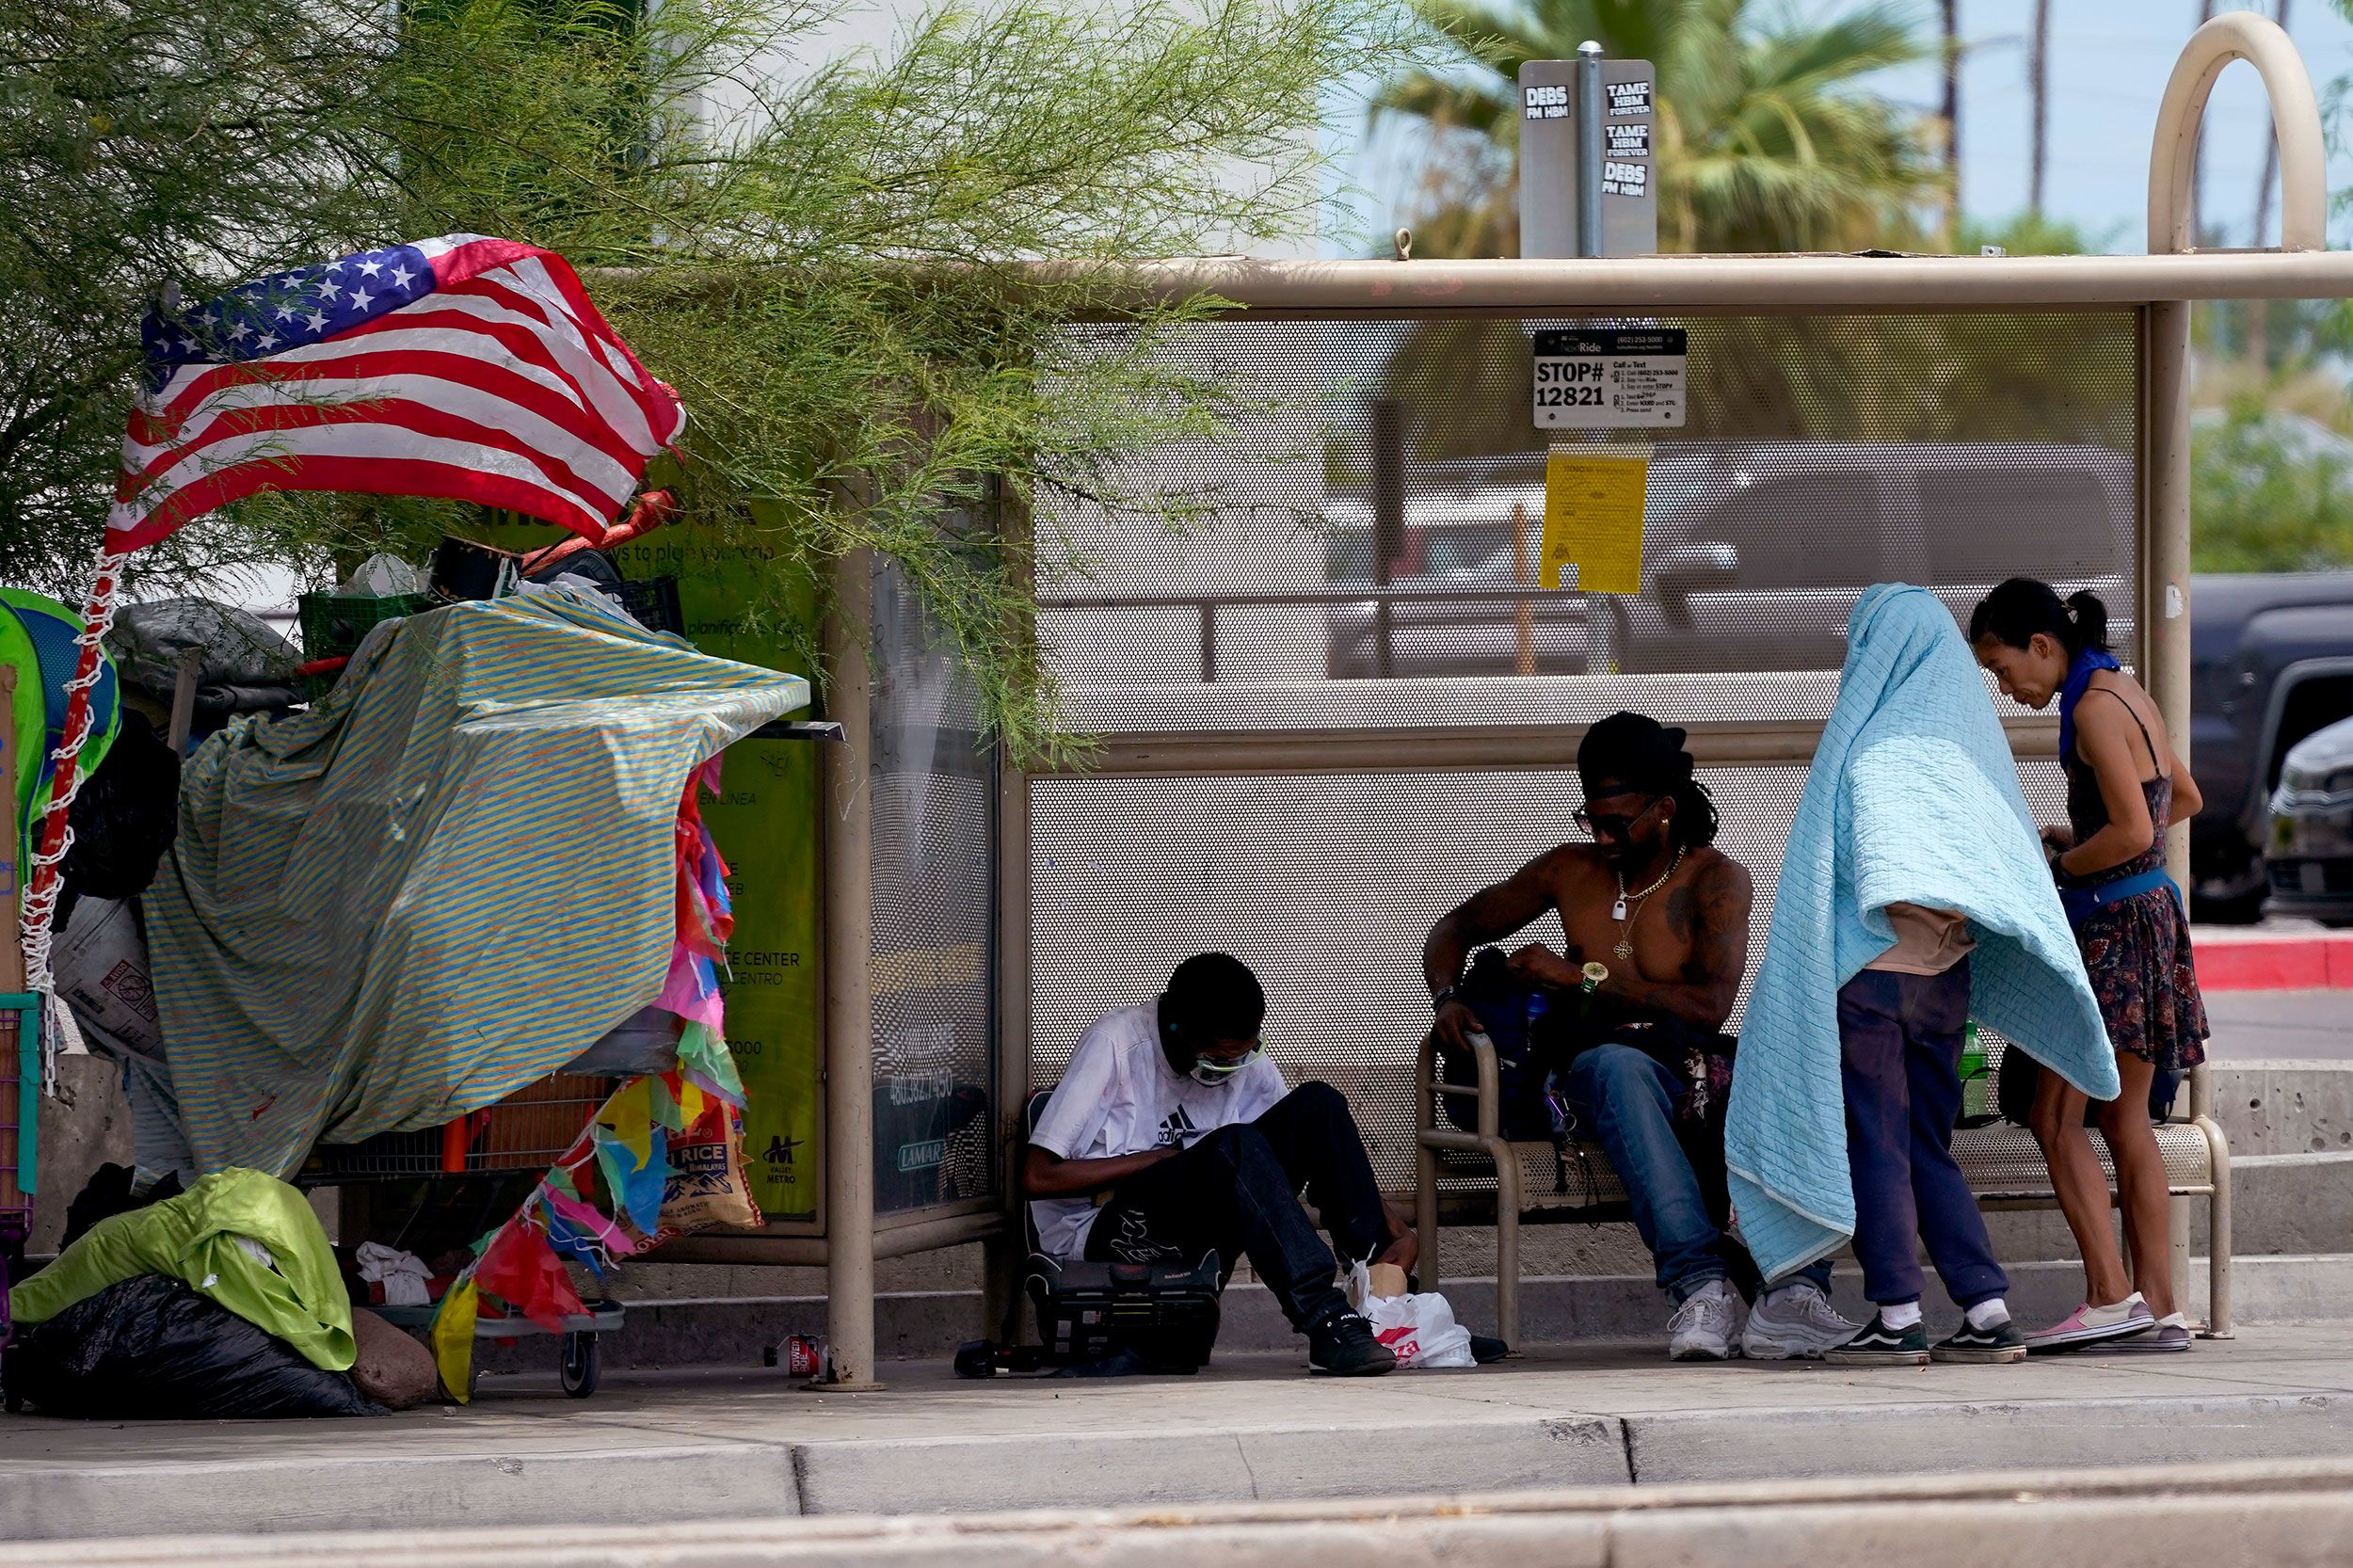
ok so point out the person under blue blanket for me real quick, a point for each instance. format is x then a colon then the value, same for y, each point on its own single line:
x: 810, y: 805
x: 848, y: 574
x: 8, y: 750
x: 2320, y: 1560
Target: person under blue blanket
x: 1911, y: 899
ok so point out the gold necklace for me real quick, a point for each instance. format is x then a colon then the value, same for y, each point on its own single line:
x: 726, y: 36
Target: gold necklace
x: 1624, y: 949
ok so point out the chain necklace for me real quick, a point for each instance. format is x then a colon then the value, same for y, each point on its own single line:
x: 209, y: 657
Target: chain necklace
x: 1624, y: 949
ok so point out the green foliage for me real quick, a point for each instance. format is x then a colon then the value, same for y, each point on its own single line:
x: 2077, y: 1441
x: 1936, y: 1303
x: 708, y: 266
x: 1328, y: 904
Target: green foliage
x: 2034, y: 234
x: 142, y: 144
x: 815, y: 254
x: 1768, y: 140
x: 2265, y: 501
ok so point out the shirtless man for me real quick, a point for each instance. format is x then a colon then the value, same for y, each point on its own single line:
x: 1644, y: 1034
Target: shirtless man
x: 1668, y: 915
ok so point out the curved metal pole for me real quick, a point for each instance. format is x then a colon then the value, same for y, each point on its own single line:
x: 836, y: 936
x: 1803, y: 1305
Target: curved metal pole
x: 2166, y: 552
x: 2294, y: 120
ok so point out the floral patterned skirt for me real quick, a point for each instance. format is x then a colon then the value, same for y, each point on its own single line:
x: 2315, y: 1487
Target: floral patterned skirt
x: 2137, y: 954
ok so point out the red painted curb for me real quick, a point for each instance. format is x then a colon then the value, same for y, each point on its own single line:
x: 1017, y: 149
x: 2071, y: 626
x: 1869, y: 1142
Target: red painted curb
x: 2297, y: 961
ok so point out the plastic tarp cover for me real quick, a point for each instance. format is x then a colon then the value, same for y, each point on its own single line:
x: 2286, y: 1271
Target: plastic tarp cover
x: 449, y: 879
x: 246, y: 666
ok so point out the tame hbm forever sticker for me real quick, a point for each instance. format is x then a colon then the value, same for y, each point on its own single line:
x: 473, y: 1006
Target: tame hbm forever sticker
x: 1611, y: 378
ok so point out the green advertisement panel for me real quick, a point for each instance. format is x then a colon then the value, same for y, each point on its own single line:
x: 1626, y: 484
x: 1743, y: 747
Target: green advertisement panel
x: 765, y: 825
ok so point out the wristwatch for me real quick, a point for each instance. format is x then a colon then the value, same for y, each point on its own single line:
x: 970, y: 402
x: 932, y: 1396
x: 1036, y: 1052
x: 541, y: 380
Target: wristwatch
x: 1446, y: 993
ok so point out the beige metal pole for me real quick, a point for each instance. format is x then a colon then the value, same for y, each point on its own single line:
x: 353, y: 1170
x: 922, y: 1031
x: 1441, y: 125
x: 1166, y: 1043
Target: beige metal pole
x: 2303, y: 227
x: 2166, y: 549
x: 1841, y: 285
x: 849, y: 1002
x: 1002, y: 1259
x: 1524, y: 572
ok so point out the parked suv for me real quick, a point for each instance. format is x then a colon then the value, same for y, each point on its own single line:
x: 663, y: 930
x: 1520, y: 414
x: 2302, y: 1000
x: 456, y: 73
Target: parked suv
x: 1755, y: 555
x: 2272, y: 664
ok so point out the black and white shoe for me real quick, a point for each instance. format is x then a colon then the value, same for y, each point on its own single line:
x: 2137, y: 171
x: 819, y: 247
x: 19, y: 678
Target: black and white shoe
x: 1877, y: 1345
x: 1343, y: 1346
x: 1999, y: 1345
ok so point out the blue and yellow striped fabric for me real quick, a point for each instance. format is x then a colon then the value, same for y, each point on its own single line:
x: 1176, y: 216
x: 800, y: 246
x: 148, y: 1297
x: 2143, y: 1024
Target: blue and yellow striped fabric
x: 446, y: 881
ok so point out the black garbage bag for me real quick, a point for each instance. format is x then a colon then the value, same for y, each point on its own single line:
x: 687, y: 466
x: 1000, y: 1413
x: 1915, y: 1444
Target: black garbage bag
x: 150, y: 1349
x: 125, y: 816
x: 108, y: 1193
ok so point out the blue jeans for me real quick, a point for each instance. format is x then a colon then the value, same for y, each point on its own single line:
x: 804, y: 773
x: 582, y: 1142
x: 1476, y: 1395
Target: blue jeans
x: 1627, y: 1100
x: 1900, y: 1039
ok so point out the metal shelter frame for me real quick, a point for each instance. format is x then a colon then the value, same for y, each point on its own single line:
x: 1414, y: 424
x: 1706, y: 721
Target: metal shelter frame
x: 2160, y: 287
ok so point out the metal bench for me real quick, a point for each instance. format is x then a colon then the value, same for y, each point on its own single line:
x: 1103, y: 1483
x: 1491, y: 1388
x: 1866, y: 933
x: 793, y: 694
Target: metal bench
x: 1470, y: 1178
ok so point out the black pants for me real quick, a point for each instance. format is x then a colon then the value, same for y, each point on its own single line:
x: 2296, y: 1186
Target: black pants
x: 1236, y: 1193
x: 1900, y: 1038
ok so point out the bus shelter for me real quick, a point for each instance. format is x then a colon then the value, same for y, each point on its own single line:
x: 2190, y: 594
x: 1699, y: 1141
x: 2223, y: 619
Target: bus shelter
x: 1342, y: 701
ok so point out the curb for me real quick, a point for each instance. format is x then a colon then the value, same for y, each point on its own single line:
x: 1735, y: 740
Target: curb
x: 2274, y: 961
x: 608, y: 1487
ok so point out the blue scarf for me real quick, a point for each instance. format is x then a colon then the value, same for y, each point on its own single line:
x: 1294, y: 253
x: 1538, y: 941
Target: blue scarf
x: 2079, y: 676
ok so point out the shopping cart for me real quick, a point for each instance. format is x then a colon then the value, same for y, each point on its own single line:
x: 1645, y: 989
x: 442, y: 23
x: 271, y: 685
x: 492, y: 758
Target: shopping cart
x: 528, y: 1132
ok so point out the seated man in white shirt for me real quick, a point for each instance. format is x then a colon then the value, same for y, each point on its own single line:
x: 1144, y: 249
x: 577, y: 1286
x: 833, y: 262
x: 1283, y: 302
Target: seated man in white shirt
x: 1171, y: 1135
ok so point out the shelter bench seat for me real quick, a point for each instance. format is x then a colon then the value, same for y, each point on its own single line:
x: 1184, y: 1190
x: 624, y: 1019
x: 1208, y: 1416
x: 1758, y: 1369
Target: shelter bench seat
x: 1472, y: 1179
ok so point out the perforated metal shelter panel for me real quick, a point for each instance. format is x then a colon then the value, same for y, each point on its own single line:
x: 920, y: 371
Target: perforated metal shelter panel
x: 1820, y: 455
x: 935, y: 882
x: 1325, y: 886
x: 1381, y: 474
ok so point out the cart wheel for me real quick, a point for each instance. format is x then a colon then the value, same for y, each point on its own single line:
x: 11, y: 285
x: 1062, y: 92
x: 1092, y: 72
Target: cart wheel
x: 578, y: 1365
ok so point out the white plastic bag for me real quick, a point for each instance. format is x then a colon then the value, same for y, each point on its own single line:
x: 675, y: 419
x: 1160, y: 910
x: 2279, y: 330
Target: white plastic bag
x: 1420, y: 1328
x: 383, y: 577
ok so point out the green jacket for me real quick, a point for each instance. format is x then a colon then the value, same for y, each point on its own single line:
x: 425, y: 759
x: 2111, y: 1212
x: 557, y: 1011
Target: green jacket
x: 298, y: 1295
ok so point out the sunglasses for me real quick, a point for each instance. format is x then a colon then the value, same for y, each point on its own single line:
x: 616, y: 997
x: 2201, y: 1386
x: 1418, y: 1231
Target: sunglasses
x: 1206, y: 1070
x: 1612, y: 825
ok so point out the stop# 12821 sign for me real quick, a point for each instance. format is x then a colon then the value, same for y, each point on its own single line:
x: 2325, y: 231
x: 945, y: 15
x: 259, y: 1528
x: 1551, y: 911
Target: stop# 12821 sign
x: 1610, y: 378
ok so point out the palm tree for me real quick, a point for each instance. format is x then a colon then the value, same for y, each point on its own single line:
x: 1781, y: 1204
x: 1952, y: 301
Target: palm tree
x: 1766, y: 140
x: 2039, y: 98
x: 1949, y: 63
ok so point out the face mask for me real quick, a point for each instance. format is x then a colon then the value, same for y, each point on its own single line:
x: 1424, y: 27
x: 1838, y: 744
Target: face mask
x: 1216, y: 1075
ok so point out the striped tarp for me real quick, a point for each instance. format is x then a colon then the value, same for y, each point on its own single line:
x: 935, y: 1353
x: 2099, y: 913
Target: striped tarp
x: 446, y: 881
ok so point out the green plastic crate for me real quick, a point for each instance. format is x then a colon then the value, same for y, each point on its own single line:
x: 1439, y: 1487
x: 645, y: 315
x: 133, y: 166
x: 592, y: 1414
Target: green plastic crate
x: 336, y: 624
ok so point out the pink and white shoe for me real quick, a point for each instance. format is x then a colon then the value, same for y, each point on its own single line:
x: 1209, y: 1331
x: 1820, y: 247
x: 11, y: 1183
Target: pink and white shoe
x: 2094, y: 1325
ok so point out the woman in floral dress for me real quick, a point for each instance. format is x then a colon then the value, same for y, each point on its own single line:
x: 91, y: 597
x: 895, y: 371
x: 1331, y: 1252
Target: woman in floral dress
x: 2125, y: 785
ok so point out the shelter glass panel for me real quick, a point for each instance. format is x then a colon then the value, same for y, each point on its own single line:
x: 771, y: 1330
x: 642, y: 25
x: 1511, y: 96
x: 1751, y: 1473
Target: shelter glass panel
x: 935, y: 882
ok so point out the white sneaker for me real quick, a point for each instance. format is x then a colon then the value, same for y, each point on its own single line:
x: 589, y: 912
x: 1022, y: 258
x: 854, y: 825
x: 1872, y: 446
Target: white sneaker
x: 1706, y: 1327
x: 1794, y: 1323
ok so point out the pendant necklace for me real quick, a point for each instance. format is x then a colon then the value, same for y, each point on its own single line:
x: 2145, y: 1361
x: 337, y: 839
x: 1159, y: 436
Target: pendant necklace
x: 1624, y: 949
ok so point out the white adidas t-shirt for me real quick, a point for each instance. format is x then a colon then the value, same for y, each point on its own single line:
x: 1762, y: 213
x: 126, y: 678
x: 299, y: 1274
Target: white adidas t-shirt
x: 1121, y: 1097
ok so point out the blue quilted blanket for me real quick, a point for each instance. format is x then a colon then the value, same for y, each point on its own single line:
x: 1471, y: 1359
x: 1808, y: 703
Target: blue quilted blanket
x: 1913, y: 798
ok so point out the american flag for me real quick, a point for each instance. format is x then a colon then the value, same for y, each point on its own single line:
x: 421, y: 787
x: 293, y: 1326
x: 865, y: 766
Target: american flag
x: 465, y: 368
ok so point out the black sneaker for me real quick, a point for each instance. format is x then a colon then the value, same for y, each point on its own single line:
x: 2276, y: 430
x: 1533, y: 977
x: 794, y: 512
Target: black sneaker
x: 1880, y: 1346
x: 2001, y: 1344
x: 1343, y: 1346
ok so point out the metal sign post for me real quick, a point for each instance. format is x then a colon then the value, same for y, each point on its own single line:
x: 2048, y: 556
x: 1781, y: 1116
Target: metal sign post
x: 1588, y: 153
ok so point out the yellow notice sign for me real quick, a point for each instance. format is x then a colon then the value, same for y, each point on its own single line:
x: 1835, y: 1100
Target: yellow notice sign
x: 1593, y: 519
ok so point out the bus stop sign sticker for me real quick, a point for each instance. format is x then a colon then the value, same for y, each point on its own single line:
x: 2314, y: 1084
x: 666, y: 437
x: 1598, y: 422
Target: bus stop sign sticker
x: 1610, y: 378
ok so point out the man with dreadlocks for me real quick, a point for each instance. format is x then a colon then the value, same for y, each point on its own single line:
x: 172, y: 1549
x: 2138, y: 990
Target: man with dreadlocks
x: 1657, y: 921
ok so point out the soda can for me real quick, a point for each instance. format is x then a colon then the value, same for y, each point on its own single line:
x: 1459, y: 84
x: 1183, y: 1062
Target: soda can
x: 804, y: 1356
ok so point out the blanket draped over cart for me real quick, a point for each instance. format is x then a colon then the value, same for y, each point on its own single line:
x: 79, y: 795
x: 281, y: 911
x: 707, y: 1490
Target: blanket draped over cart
x: 446, y: 881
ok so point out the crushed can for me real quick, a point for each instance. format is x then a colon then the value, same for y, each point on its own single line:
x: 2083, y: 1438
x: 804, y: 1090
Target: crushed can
x: 804, y: 1356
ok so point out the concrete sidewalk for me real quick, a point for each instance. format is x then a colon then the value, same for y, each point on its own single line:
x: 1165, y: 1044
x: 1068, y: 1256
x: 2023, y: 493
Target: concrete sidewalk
x: 2264, y: 1514
x: 692, y: 1446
